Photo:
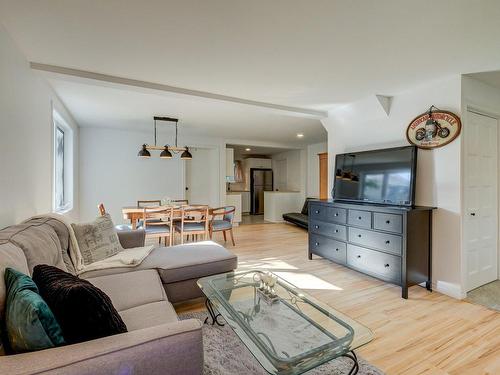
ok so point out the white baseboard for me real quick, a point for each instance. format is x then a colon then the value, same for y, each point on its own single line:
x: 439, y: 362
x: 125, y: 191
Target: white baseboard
x: 450, y: 289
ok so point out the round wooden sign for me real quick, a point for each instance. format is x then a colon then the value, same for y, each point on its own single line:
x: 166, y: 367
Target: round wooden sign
x: 434, y: 130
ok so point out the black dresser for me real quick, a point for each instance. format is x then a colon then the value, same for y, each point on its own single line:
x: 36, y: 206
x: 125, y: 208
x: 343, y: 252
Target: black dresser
x: 391, y: 243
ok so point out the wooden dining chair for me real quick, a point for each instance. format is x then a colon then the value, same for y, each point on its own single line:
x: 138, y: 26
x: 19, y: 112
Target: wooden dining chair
x: 222, y: 221
x: 146, y: 203
x: 194, y: 221
x: 119, y: 227
x: 180, y: 201
x: 102, y: 210
x: 157, y: 223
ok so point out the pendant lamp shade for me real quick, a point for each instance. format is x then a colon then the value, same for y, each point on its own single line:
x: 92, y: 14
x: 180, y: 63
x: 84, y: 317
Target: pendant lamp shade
x: 186, y: 155
x: 166, y: 154
x: 144, y: 153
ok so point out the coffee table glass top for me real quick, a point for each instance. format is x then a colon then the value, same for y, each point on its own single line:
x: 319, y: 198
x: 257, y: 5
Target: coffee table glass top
x: 289, y: 335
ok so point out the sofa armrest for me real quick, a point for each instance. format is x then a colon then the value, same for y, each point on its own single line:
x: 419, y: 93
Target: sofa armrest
x: 132, y: 238
x: 173, y: 348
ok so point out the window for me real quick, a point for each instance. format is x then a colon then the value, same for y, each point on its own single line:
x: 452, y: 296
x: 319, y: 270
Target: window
x: 63, y: 165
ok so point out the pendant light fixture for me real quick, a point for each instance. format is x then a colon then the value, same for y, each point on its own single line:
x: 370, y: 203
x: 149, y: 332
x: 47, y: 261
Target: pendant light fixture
x: 167, y: 150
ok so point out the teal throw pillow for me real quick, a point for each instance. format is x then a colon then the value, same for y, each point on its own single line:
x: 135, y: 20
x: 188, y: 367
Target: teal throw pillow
x: 30, y: 323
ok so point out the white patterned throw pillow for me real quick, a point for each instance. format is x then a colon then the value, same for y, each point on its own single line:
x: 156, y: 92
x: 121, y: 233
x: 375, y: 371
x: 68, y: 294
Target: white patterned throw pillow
x: 97, y: 240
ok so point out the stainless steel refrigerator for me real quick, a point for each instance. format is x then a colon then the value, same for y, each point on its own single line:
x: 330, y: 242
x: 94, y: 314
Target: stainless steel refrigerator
x: 261, y: 180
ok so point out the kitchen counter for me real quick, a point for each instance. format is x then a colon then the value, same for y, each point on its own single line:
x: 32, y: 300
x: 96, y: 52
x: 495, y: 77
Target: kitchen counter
x: 277, y: 203
x: 234, y: 200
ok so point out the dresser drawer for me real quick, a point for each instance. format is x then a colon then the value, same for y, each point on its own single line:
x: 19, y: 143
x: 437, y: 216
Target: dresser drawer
x: 360, y: 218
x: 328, y: 248
x: 329, y: 229
x: 388, y: 222
x: 316, y: 211
x: 381, y: 265
x: 383, y: 241
x: 336, y: 215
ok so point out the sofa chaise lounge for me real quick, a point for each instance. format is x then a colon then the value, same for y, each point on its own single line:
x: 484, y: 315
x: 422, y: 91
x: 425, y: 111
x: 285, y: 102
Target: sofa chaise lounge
x: 157, y: 342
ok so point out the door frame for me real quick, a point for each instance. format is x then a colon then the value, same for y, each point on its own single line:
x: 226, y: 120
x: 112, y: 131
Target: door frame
x: 470, y: 106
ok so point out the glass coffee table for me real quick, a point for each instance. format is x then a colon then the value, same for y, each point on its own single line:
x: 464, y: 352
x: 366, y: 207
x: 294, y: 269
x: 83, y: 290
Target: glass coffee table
x: 288, y: 333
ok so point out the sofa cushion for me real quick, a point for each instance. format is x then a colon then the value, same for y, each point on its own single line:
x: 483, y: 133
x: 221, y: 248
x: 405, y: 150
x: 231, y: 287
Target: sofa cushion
x: 131, y: 289
x: 83, y: 310
x: 97, y: 240
x: 30, y: 323
x: 149, y: 315
x: 180, y: 262
x: 13, y: 257
x: 190, y: 261
x: 38, y: 241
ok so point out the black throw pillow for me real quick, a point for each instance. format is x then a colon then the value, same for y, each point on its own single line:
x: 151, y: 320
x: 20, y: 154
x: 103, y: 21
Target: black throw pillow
x: 83, y: 311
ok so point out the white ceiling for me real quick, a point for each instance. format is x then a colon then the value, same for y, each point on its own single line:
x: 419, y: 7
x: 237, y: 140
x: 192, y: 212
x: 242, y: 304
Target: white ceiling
x: 241, y: 152
x: 312, y: 54
x: 114, y: 106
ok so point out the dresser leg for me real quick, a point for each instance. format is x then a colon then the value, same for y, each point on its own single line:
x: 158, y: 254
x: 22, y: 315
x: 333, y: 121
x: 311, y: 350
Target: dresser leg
x: 428, y: 286
x: 404, y: 293
x: 309, y: 255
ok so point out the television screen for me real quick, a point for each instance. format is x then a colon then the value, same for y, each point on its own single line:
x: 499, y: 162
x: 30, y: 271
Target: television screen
x: 379, y: 176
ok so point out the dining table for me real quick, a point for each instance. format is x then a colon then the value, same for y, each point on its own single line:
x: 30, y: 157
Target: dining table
x: 134, y: 213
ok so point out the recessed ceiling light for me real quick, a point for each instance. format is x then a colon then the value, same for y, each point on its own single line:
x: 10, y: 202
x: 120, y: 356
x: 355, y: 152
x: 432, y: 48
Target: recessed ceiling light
x: 300, y: 135
x: 248, y: 149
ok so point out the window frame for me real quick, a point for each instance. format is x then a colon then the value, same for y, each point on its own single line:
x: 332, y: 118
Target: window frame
x: 59, y: 124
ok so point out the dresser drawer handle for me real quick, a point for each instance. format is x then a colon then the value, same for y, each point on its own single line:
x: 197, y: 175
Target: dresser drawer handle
x: 387, y: 221
x: 336, y: 230
x: 386, y: 265
x: 387, y: 242
x: 359, y: 235
x: 316, y: 226
x: 317, y: 243
x: 336, y: 214
x: 337, y: 249
x: 317, y: 211
x: 359, y: 217
x: 359, y: 256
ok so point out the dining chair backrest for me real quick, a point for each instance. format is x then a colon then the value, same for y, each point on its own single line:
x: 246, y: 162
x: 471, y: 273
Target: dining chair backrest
x: 180, y: 201
x: 226, y: 213
x: 195, y: 214
x: 102, y: 210
x: 159, y: 215
x: 148, y: 203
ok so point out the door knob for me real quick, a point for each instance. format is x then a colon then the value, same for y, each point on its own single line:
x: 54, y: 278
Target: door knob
x: 472, y: 214
x: 386, y: 265
x: 359, y: 256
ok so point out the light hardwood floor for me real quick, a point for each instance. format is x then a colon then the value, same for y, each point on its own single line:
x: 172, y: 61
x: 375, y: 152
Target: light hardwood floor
x: 429, y: 333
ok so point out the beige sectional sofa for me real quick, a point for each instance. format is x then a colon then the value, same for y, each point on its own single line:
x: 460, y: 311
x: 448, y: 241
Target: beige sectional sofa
x: 157, y: 341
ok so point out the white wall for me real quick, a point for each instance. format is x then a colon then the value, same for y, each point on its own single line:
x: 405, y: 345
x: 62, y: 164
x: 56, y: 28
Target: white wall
x: 295, y: 169
x: 364, y: 125
x: 112, y: 173
x: 26, y: 138
x: 312, y: 183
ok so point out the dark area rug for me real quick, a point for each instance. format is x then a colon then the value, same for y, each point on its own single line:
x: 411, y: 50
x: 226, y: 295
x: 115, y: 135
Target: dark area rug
x: 225, y: 354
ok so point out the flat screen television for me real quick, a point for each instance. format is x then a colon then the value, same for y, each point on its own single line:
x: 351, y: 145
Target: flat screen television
x: 379, y: 176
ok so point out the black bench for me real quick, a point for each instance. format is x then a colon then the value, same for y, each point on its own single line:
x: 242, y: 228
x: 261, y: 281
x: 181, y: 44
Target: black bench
x: 299, y: 218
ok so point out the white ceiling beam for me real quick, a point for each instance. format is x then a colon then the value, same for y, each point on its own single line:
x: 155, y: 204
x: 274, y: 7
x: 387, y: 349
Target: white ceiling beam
x: 303, y: 112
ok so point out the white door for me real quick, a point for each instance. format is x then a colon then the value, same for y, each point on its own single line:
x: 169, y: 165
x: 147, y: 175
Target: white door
x: 202, y: 177
x: 481, y: 199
